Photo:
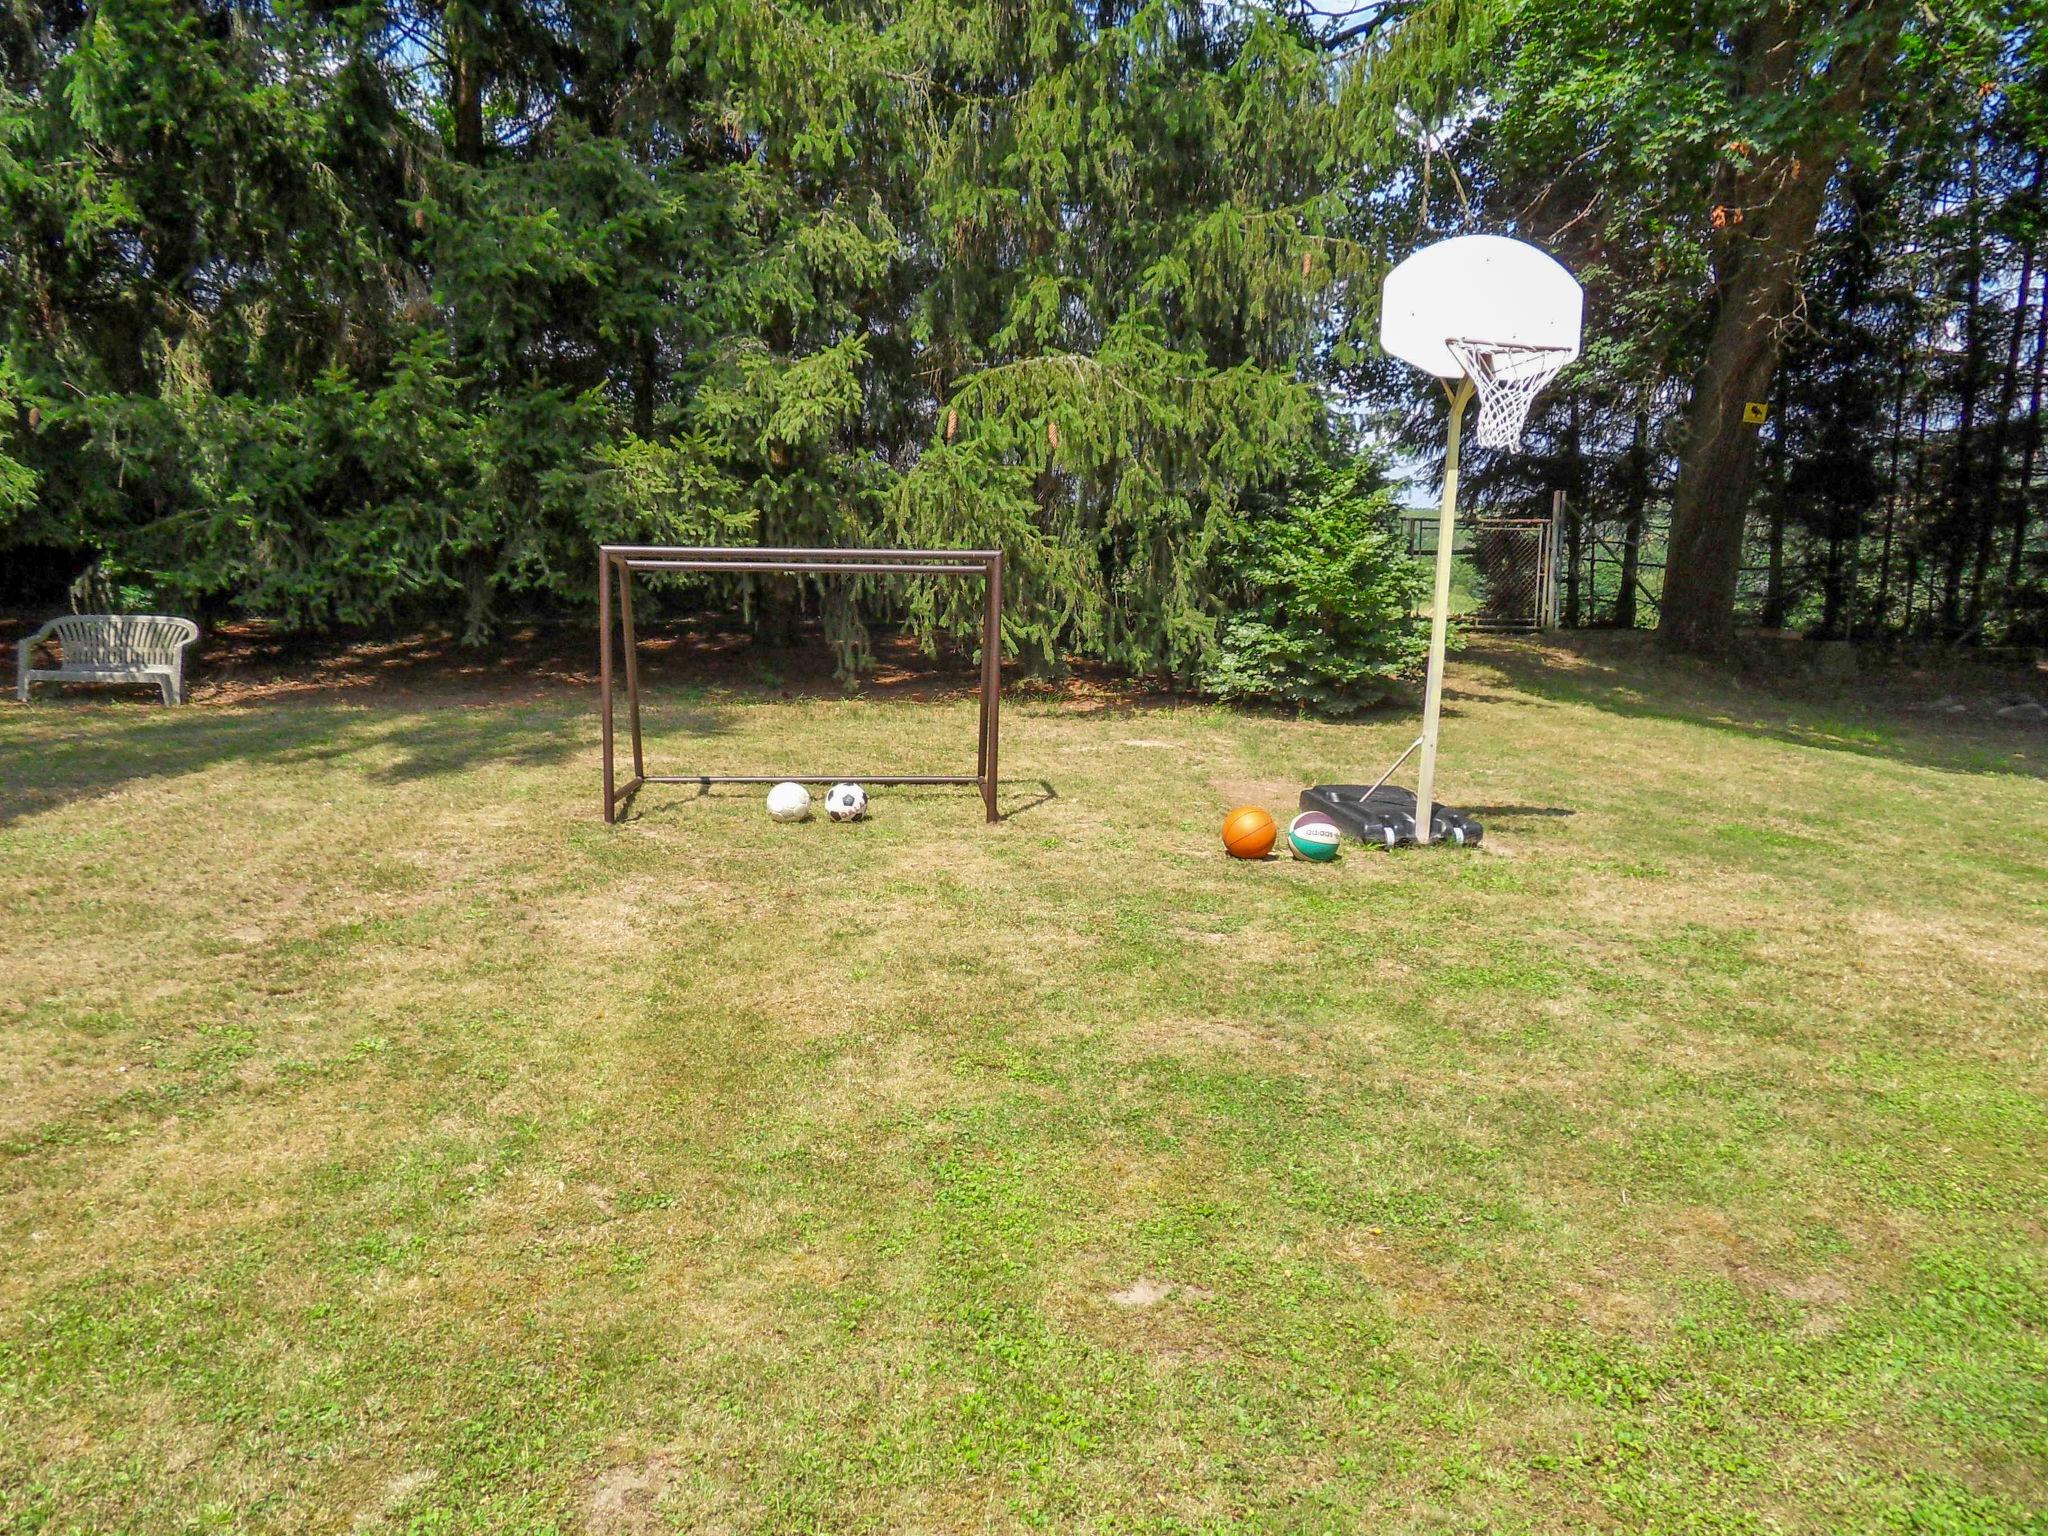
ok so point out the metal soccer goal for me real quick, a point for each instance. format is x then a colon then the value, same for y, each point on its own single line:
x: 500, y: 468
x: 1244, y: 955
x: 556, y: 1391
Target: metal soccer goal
x: 619, y: 562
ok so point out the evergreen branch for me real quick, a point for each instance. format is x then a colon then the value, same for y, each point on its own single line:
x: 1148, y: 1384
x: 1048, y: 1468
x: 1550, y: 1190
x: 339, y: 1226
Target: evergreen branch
x: 1075, y: 363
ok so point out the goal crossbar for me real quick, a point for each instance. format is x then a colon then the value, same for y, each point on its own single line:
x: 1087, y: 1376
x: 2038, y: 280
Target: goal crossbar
x: 618, y: 562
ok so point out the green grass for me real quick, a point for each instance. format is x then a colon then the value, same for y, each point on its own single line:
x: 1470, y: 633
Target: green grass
x: 388, y: 1145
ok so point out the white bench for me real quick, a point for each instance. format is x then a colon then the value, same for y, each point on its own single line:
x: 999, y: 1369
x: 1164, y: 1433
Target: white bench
x: 112, y: 648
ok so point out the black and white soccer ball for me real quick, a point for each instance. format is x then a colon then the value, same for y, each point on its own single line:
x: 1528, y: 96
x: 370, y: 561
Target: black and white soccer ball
x: 846, y: 802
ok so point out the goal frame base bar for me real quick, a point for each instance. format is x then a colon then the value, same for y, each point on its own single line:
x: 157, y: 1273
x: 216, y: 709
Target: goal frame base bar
x: 620, y: 561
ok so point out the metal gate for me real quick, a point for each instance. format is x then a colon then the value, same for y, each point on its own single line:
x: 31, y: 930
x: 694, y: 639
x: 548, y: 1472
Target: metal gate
x: 1510, y: 565
x: 1515, y: 558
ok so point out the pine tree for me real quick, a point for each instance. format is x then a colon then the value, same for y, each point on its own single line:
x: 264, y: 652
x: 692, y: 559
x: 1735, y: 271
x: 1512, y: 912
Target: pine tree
x: 1067, y: 281
x: 386, y: 309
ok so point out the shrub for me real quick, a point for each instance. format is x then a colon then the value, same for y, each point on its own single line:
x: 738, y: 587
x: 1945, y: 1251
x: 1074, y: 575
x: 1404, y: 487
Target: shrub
x: 1327, y: 596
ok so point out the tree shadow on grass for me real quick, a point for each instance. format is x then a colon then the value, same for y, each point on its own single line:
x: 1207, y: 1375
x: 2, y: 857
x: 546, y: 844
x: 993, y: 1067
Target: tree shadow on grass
x: 1872, y: 716
x: 61, y: 752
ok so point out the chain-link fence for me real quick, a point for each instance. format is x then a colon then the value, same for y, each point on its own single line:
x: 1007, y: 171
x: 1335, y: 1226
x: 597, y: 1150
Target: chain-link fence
x: 1504, y: 572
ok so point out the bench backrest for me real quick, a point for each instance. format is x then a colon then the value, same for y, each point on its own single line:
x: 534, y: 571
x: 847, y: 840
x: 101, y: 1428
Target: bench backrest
x: 122, y: 639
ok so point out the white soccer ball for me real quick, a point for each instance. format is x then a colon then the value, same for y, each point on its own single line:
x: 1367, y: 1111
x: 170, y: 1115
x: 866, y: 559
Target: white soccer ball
x: 789, y: 802
x: 846, y: 802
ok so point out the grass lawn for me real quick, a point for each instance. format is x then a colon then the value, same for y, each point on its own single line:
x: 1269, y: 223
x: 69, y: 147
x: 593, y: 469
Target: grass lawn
x: 388, y: 1145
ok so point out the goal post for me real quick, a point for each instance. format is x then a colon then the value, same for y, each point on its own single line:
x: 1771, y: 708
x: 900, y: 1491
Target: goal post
x: 618, y: 562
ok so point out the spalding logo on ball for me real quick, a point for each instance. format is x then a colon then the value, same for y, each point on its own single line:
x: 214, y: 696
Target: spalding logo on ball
x: 1248, y: 832
x: 1312, y: 835
x: 789, y: 802
x: 846, y: 802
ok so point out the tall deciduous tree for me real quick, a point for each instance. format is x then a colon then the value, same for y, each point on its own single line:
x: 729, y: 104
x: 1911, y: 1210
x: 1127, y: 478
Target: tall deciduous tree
x: 1800, y: 80
x: 1691, y: 151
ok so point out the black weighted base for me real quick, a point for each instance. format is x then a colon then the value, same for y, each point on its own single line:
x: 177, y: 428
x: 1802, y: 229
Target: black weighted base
x: 1387, y: 816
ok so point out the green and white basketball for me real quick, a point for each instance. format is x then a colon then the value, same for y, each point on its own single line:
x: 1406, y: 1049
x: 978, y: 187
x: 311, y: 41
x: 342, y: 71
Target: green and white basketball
x: 1312, y: 835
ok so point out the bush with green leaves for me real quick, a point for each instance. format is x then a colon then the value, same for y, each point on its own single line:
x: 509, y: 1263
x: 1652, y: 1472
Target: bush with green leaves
x: 1327, y: 596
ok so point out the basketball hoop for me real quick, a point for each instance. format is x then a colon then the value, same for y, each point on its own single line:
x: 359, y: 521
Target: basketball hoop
x: 1433, y: 309
x: 1507, y: 378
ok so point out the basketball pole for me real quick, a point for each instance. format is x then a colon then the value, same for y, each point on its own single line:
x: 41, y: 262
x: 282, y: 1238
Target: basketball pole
x: 1440, y: 619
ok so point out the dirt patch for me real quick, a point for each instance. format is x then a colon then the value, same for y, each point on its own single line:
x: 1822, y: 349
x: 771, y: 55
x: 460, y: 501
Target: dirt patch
x: 1610, y: 1303
x: 1142, y: 1293
x: 623, y: 1500
x: 393, y: 1497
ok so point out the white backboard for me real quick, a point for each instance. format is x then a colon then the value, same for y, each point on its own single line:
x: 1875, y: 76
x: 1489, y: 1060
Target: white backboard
x: 1478, y: 288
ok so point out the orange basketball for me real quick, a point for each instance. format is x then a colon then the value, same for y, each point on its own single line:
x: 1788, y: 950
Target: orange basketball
x: 1248, y: 832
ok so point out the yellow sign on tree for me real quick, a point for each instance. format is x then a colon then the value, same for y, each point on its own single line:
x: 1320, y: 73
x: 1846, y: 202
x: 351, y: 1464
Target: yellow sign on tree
x: 1755, y: 413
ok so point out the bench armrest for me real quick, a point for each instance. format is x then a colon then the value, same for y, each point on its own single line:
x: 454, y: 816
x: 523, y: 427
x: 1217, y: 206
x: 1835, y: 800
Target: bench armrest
x: 25, y: 653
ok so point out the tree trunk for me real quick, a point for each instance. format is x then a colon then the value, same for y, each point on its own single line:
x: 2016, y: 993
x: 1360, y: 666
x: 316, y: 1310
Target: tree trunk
x: 1884, y: 562
x: 1575, y: 492
x: 465, y: 83
x: 479, y: 600
x: 645, y: 356
x: 1832, y: 595
x: 1853, y: 584
x: 1962, y: 517
x: 1913, y: 548
x: 1632, y: 528
x: 779, y: 611
x: 1573, y: 537
x: 1712, y: 494
x: 1891, y: 494
x: 1773, y: 616
x: 1775, y: 209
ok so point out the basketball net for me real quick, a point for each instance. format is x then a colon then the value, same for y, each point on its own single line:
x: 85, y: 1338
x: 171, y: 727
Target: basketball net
x: 1507, y: 379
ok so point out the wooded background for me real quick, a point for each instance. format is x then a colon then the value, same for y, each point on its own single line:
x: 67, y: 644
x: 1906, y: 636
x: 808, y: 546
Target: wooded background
x: 336, y: 313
